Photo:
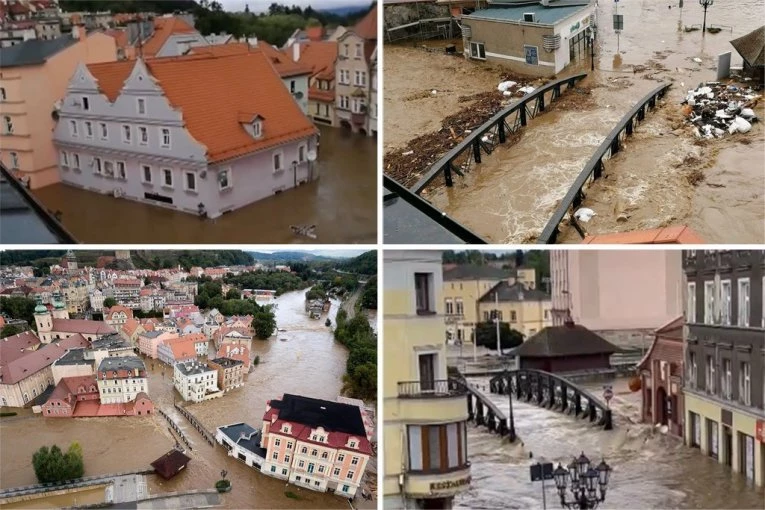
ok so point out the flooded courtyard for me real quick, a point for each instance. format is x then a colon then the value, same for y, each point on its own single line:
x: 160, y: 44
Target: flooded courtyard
x: 309, y: 363
x: 510, y: 196
x: 341, y: 203
x: 650, y: 470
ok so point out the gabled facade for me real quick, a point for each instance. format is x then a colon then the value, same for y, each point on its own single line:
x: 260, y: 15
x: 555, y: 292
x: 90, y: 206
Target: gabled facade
x: 187, y: 133
x: 117, y: 315
x: 121, y: 379
x: 321, y: 57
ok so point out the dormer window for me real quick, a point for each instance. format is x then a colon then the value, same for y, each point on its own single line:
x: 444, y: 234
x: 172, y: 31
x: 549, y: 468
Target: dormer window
x: 257, y: 128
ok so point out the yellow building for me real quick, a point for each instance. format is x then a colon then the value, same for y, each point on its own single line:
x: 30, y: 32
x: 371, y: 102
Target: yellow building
x: 425, y: 417
x: 465, y: 286
x: 526, y: 310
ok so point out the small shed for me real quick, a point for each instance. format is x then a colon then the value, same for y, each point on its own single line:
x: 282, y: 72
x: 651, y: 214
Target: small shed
x: 567, y: 348
x: 170, y: 464
x: 751, y: 47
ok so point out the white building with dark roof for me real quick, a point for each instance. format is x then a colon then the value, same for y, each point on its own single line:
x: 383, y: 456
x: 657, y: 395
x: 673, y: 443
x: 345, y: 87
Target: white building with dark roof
x: 196, y: 381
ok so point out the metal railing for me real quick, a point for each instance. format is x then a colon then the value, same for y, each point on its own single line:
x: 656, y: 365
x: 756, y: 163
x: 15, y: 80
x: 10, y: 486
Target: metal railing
x: 493, y: 132
x: 431, y: 389
x: 594, y: 168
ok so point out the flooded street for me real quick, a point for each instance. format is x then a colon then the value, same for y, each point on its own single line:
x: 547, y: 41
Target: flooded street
x: 649, y: 470
x: 309, y: 363
x: 341, y: 203
x: 511, y: 195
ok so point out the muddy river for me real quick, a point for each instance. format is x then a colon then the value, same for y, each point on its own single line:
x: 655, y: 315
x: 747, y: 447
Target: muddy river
x: 511, y: 195
x: 341, y: 203
x: 650, y: 470
x: 309, y: 363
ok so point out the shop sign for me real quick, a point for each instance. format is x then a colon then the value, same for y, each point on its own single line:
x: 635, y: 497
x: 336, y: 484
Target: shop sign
x: 450, y: 484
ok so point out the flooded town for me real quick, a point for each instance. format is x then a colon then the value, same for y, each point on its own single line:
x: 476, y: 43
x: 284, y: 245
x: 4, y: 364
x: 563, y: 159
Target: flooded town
x: 670, y: 173
x: 148, y: 112
x: 171, y: 442
x: 544, y: 384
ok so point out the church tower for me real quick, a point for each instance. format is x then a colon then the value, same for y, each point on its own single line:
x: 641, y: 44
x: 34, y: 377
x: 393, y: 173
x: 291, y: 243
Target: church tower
x: 44, y: 322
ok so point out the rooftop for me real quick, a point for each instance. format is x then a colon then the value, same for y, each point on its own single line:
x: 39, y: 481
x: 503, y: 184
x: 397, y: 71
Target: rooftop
x: 34, y: 361
x: 543, y: 15
x: 515, y: 292
x: 227, y: 362
x: 679, y: 234
x: 566, y: 340
x: 34, y: 51
x: 82, y: 326
x: 121, y: 363
x: 192, y: 367
x: 475, y: 272
x: 245, y: 436
x: 109, y: 342
x: 75, y: 357
x: 170, y: 464
x: 332, y: 416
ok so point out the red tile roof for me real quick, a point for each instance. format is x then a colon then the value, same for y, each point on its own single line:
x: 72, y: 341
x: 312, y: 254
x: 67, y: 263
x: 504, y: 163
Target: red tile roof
x: 212, y: 92
x: 367, y: 27
x: 34, y: 361
x: 82, y: 326
x: 320, y: 57
x: 118, y: 308
x: 669, y: 235
x: 16, y: 346
x: 130, y: 326
x: 337, y: 440
x: 183, y: 349
x: 163, y: 29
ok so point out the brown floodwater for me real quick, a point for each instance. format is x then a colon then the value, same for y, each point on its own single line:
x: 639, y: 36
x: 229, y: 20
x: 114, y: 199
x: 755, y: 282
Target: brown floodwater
x: 650, y: 470
x: 309, y: 363
x: 511, y: 195
x: 342, y: 204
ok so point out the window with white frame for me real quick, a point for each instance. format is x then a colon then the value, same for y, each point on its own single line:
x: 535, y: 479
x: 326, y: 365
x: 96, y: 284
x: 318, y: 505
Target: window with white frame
x: 743, y: 302
x: 141, y: 106
x: 167, y: 177
x: 690, y: 312
x: 336, y: 472
x: 360, y: 78
x: 97, y: 168
x: 301, y: 153
x: 745, y: 384
x: 358, y: 51
x: 14, y: 160
x: 146, y: 174
x: 257, y: 128
x: 165, y: 137
x: 477, y: 50
x: 143, y: 135
x: 104, y: 131
x: 64, y: 158
x: 359, y: 105
x: 191, y: 182
x: 355, y: 461
x: 710, y: 382
x: 126, y: 133
x: 224, y: 179
x: 108, y: 168
x: 121, y: 170
x: 75, y: 160
x: 344, y: 102
x: 709, y: 302
x: 727, y: 383
x: 725, y: 302
x: 278, y: 163
x: 345, y: 77
x: 345, y: 50
x: 73, y: 128
x: 88, y: 129
x: 350, y: 474
x: 449, y: 306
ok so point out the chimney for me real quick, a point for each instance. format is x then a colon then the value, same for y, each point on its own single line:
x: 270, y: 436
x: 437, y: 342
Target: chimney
x: 76, y: 32
x: 296, y: 51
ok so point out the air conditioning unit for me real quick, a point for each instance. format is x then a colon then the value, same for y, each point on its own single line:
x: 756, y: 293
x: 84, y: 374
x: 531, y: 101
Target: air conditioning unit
x: 529, y: 17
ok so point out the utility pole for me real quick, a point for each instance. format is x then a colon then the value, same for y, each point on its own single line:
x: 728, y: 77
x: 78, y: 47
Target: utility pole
x: 496, y: 319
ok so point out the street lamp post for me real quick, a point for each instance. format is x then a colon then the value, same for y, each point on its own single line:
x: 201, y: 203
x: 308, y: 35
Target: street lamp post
x: 588, y: 484
x: 705, y: 4
x: 592, y: 48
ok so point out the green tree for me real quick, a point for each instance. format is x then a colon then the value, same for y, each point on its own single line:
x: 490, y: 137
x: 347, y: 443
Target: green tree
x: 53, y: 466
x: 486, y: 335
x: 233, y: 294
x: 369, y: 297
x: 110, y: 302
x: 264, y: 324
x: 9, y: 330
x: 19, y: 307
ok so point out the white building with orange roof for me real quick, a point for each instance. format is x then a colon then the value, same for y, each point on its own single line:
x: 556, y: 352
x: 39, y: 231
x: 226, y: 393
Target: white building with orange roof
x: 199, y: 134
x: 117, y: 315
x: 320, y: 57
x: 165, y: 36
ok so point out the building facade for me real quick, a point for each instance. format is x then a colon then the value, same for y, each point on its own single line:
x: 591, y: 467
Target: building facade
x: 121, y: 379
x: 724, y: 385
x: 195, y: 381
x: 525, y: 310
x: 230, y: 372
x: 418, y: 402
x: 28, y: 110
x: 146, y: 135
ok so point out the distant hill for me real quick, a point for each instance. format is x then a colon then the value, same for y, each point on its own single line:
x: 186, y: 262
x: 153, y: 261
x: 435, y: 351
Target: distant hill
x: 288, y: 256
x: 345, y: 11
x: 365, y: 263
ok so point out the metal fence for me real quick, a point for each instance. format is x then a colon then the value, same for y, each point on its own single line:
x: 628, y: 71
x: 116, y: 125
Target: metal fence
x: 431, y: 389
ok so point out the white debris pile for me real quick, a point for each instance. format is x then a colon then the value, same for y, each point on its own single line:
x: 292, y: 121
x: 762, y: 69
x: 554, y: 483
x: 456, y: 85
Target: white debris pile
x: 714, y: 108
x: 504, y: 86
x: 527, y: 89
x: 584, y: 214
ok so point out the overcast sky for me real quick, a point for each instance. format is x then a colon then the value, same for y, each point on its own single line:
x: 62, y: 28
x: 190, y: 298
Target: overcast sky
x: 262, y: 5
x: 324, y: 253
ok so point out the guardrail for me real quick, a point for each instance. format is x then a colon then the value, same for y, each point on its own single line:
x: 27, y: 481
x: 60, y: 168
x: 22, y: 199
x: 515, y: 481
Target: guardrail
x: 206, y: 434
x: 493, y: 132
x: 442, y: 388
x: 67, y: 484
x: 594, y: 168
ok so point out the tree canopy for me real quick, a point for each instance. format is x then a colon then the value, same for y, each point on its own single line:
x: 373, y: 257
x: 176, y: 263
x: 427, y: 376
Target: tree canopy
x: 19, y: 307
x: 360, y: 379
x: 52, y: 465
x: 486, y: 335
x: 264, y: 323
x: 10, y: 330
x: 369, y: 297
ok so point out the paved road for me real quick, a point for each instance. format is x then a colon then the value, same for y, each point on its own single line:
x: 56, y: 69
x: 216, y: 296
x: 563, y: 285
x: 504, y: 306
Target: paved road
x: 349, y: 305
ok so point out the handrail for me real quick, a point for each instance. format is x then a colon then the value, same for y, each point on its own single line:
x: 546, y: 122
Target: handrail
x: 475, y: 135
x: 594, y: 166
x: 573, y: 386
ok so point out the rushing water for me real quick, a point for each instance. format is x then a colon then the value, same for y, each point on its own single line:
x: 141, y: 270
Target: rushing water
x: 511, y: 195
x: 650, y: 470
x: 341, y: 203
x: 309, y: 363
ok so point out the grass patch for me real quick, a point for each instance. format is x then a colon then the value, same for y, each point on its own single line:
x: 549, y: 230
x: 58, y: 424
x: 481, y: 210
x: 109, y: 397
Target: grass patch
x: 291, y: 495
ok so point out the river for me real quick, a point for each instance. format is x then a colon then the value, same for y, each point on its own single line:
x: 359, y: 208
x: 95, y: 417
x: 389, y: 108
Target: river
x: 511, y: 195
x: 309, y: 363
x: 341, y: 203
x: 650, y: 470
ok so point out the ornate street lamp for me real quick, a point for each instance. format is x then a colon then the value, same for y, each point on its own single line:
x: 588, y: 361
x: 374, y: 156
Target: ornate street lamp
x: 588, y: 484
x: 705, y: 4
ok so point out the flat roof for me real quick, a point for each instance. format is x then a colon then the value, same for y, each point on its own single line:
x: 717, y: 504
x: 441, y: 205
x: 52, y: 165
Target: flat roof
x: 544, y: 15
x: 121, y: 363
x: 192, y: 367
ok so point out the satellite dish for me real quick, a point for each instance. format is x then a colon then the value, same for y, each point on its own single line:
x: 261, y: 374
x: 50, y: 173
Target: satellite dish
x: 299, y: 95
x: 311, y: 156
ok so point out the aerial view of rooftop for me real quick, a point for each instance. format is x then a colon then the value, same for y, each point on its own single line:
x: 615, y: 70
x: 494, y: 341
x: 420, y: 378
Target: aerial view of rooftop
x: 530, y: 121
x: 188, y: 379
x: 121, y: 119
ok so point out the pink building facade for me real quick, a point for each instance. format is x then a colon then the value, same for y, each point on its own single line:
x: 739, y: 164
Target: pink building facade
x: 149, y: 342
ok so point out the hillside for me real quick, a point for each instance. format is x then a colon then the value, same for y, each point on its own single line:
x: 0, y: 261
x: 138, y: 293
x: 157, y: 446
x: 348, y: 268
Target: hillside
x: 365, y: 263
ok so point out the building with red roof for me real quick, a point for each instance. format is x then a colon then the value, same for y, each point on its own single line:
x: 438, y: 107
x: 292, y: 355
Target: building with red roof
x: 320, y: 57
x: 316, y: 444
x: 223, y: 144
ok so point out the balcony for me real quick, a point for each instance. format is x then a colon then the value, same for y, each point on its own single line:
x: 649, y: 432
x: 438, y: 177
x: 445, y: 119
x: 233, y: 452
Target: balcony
x: 423, y: 485
x: 442, y: 388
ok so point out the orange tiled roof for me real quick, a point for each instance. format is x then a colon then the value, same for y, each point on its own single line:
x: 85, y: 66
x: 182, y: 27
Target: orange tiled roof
x: 320, y: 57
x: 163, y: 29
x: 327, y: 96
x: 367, y: 27
x: 212, y: 92
x: 284, y: 64
x: 315, y: 33
x: 669, y: 235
